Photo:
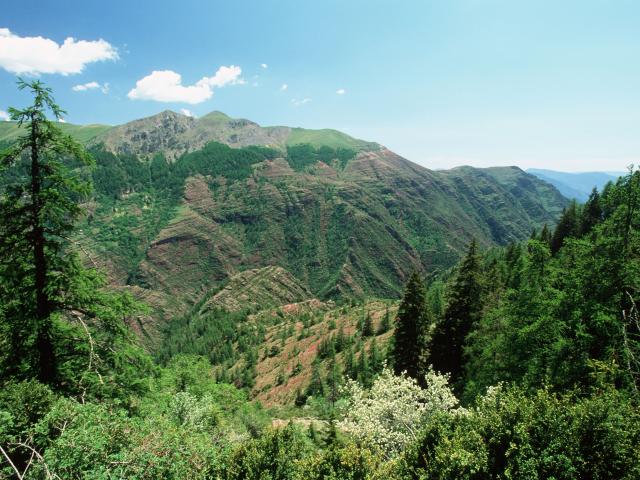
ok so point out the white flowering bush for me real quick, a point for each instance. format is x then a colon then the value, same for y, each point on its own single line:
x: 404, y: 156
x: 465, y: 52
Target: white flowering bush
x: 197, y: 413
x: 390, y: 414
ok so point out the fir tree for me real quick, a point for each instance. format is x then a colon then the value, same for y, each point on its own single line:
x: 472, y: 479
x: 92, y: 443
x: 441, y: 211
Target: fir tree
x: 334, y: 377
x: 375, y: 358
x: 47, y: 298
x: 461, y: 314
x: 350, y: 363
x: 385, y: 323
x: 591, y: 213
x: 316, y: 387
x: 568, y: 226
x: 367, y: 326
x: 364, y: 369
x: 412, y: 324
x: 545, y: 235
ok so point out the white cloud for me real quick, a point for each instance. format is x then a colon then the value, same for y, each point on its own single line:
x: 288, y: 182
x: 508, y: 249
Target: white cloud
x: 62, y: 120
x: 186, y: 112
x: 36, y: 55
x: 284, y: 87
x: 297, y: 103
x: 85, y: 86
x: 341, y: 91
x: 4, y: 116
x: 166, y: 86
x: 264, y: 65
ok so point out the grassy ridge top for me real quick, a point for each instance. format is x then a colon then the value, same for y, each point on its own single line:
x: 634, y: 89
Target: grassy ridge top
x: 328, y: 137
x: 9, y: 131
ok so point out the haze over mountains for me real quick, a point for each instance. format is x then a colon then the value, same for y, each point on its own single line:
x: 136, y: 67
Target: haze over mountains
x: 576, y: 185
x: 184, y: 205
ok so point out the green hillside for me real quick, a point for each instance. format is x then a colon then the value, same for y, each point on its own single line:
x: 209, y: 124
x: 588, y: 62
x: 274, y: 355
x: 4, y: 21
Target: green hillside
x: 9, y: 131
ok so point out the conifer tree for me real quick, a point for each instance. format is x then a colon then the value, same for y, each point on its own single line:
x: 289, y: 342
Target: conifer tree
x: 47, y: 298
x: 545, y: 235
x: 375, y: 359
x: 385, y: 323
x: 38, y: 211
x: 334, y: 377
x: 412, y: 324
x: 367, y: 326
x: 461, y: 314
x: 568, y: 226
x: 364, y: 369
x: 350, y: 363
x: 591, y: 213
x: 316, y: 387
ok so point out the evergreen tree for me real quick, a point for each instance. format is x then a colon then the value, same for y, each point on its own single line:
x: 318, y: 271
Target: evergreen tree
x: 38, y: 212
x: 385, y: 323
x: 47, y: 298
x: 316, y: 387
x: 461, y: 314
x: 412, y: 324
x: 334, y: 378
x: 591, y: 213
x: 364, y: 369
x: 545, y: 235
x: 350, y: 363
x: 367, y: 326
x: 341, y: 339
x: 375, y: 358
x: 568, y: 226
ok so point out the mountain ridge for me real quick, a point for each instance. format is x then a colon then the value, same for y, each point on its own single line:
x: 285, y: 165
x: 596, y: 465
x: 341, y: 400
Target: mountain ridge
x: 183, y: 205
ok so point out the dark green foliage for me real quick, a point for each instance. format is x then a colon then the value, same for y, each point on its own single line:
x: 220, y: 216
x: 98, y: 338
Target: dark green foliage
x: 568, y: 227
x: 304, y: 155
x: 367, y: 326
x: 317, y: 386
x: 591, y: 213
x: 56, y: 321
x: 376, y: 361
x: 364, y: 373
x: 464, y: 305
x: 385, y: 323
x: 411, y: 333
x: 38, y: 207
x: 223, y: 337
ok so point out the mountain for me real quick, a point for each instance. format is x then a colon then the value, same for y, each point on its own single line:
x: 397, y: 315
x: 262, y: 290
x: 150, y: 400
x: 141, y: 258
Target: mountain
x: 575, y: 185
x: 183, y: 206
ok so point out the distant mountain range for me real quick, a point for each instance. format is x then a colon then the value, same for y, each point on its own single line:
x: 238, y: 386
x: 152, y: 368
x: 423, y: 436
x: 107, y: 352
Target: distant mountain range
x: 575, y: 185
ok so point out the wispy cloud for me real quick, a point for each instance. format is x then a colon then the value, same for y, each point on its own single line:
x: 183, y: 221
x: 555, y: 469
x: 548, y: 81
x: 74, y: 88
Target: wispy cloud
x: 341, y: 91
x: 62, y: 120
x: 37, y: 55
x: 166, y: 86
x: 186, y: 112
x: 83, y: 87
x: 264, y: 65
x: 284, y: 87
x: 297, y: 103
x: 4, y: 116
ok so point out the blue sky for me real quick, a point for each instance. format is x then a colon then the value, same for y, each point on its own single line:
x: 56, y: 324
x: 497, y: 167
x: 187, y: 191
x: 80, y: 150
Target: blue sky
x: 549, y: 84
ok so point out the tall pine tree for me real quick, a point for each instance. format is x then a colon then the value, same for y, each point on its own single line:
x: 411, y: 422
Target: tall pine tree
x: 412, y: 324
x: 48, y: 300
x: 38, y: 211
x: 461, y: 314
x: 568, y: 226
